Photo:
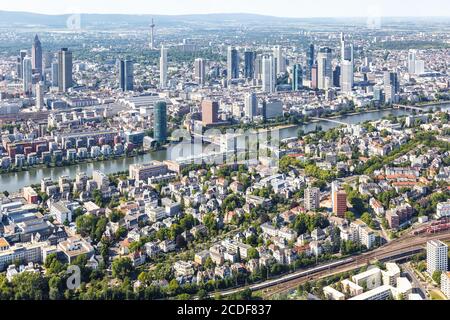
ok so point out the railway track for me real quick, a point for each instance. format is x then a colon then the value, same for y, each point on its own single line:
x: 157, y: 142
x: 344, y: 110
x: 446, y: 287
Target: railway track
x: 406, y: 246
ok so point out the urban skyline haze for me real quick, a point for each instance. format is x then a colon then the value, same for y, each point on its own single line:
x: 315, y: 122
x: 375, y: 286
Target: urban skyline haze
x: 284, y: 8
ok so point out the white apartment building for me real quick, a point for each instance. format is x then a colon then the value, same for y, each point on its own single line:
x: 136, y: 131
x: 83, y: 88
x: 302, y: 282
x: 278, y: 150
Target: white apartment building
x: 437, y: 256
x: 443, y: 210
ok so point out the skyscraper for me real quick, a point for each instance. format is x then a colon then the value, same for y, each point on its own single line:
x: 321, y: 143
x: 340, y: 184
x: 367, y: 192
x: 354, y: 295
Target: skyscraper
x: 22, y: 55
x: 163, y: 68
x: 314, y: 77
x: 391, y: 86
x: 251, y: 105
x: 268, y: 74
x: 65, y: 80
x: 280, y: 61
x: 258, y: 68
x: 39, y: 95
x: 36, y: 55
x: 346, y: 50
x: 199, y: 66
x: 347, y: 76
x: 297, y: 77
x: 27, y: 70
x: 309, y: 61
x: 412, y: 61
x: 210, y: 112
x: 232, y: 63
x: 160, y: 118
x: 324, y: 68
x: 55, y: 74
x: 249, y: 64
x: 126, y: 75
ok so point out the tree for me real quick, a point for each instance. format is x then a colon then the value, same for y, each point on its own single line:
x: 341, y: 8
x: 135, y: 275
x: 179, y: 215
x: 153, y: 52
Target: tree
x: 252, y: 254
x: 121, y: 268
x: 437, y: 277
x: 350, y: 216
x: 30, y: 286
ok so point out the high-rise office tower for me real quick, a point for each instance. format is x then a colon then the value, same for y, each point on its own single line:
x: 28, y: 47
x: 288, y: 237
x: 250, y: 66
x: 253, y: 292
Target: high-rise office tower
x: 347, y: 76
x: 40, y: 95
x: 249, y: 64
x: 437, y: 256
x: 337, y: 77
x: 391, y: 86
x: 55, y: 74
x: 312, y: 199
x: 268, y: 74
x: 309, y: 61
x: 251, y: 105
x: 280, y: 60
x: 22, y: 55
x: 412, y: 61
x: 324, y: 68
x: 36, y: 55
x: 65, y: 80
x: 420, y: 67
x: 27, y: 70
x: 210, y: 112
x: 160, y: 118
x: 258, y: 68
x: 232, y: 63
x: 314, y: 77
x: 200, y: 70
x: 163, y: 68
x: 297, y: 77
x: 126, y: 75
x: 346, y: 50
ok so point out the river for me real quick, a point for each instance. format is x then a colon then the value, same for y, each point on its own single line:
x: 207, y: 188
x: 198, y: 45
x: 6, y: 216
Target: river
x: 15, y: 181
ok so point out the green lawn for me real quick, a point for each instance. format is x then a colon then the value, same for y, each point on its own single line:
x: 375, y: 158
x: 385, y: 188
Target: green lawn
x: 437, y: 295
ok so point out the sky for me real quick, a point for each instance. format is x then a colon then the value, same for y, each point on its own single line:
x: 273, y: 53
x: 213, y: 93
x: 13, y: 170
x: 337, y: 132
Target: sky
x: 281, y: 8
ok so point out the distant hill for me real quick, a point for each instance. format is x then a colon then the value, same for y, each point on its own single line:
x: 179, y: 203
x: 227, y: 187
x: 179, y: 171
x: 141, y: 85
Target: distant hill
x: 11, y: 18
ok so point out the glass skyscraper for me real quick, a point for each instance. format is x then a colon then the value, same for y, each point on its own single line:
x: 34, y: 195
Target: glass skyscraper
x: 160, y: 112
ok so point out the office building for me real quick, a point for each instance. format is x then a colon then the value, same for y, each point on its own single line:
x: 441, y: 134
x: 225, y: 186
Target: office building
x: 314, y: 77
x: 160, y: 118
x: 280, y: 60
x: 55, y: 74
x: 126, y: 75
x: 268, y: 74
x: 312, y: 199
x: 412, y: 61
x: 251, y: 105
x: 40, y: 87
x: 19, y: 67
x: 163, y: 68
x: 249, y: 64
x: 65, y: 80
x: 347, y: 76
x: 27, y: 70
x: 36, y: 55
x: 324, y: 68
x: 297, y: 77
x: 210, y: 112
x: 309, y: 62
x: 199, y: 66
x: 232, y: 63
x: 437, y: 256
x: 391, y: 86
x: 142, y: 172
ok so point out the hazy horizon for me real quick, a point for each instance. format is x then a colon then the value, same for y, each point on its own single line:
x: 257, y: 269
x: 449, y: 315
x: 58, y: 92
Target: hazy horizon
x: 283, y: 8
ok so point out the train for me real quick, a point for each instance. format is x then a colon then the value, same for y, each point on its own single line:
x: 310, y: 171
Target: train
x: 435, y: 227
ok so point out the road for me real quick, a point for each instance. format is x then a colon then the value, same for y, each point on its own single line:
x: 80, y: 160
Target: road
x: 416, y: 282
x: 394, y: 249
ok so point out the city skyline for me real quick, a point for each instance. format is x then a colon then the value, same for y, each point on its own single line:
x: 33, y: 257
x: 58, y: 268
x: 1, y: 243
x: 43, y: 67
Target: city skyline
x: 320, y: 8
